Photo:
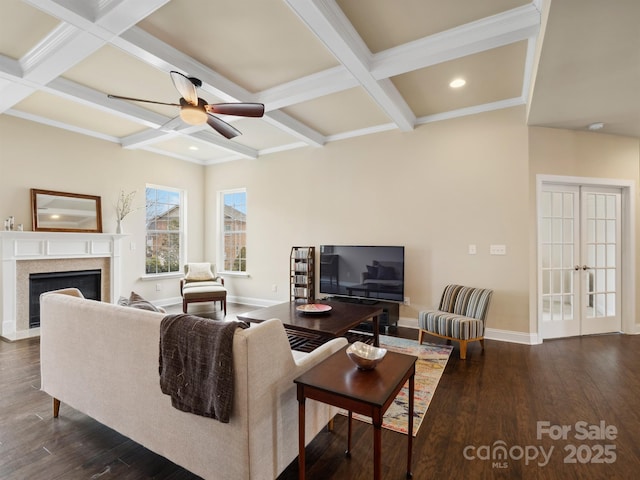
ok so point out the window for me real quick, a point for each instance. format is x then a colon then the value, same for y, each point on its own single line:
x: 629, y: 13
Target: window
x: 233, y: 228
x: 165, y: 227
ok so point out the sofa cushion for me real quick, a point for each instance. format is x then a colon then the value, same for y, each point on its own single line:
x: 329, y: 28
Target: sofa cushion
x: 386, y: 273
x: 136, y: 301
x: 372, y: 272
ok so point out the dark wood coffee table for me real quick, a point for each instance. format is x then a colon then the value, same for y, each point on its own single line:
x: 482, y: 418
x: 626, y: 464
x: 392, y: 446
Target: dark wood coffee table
x: 343, y: 317
x: 338, y: 382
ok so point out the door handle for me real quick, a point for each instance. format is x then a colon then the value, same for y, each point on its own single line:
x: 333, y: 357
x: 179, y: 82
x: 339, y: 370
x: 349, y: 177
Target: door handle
x: 584, y: 267
x: 577, y: 267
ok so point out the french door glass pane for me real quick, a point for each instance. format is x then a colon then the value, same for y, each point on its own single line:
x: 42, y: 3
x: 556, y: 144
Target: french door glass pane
x: 611, y: 304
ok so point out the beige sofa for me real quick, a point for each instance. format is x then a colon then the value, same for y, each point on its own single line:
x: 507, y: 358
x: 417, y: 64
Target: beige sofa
x: 102, y: 359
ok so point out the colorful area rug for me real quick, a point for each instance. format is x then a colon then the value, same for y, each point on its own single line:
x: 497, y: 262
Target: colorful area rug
x: 431, y: 362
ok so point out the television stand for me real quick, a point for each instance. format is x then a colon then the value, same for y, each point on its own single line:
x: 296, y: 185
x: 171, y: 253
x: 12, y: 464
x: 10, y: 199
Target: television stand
x: 388, y: 319
x: 361, y: 301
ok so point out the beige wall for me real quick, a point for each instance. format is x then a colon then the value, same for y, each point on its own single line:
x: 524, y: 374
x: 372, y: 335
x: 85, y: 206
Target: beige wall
x: 435, y: 190
x: 36, y: 156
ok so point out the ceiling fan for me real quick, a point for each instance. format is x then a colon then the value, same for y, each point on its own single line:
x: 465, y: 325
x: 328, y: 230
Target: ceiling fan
x: 196, y: 111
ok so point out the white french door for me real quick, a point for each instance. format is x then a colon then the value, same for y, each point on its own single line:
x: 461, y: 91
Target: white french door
x: 579, y: 260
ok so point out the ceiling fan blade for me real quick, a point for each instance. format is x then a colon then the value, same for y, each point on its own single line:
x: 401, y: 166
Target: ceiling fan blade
x: 185, y: 87
x: 240, y: 109
x: 222, y: 127
x: 141, y: 100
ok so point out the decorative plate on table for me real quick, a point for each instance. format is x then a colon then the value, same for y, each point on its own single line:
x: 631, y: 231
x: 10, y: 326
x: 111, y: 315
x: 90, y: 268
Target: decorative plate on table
x: 313, y: 308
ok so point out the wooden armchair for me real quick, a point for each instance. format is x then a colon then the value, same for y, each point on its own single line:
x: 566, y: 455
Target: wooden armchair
x: 200, y: 284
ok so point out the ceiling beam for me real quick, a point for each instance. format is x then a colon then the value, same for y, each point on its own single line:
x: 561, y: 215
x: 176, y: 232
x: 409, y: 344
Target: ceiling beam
x: 325, y: 19
x: 71, y: 41
x: 326, y: 82
x: 85, y: 27
x: 488, y: 33
x: 155, y: 52
x: 73, y: 91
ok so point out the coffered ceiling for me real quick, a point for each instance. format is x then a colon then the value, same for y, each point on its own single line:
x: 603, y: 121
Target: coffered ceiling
x: 326, y: 70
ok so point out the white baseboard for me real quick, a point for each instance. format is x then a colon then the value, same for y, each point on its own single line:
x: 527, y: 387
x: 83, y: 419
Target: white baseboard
x: 257, y: 302
x: 166, y: 302
x: 408, y: 322
x: 512, y: 337
x: 489, y: 333
x: 21, y: 334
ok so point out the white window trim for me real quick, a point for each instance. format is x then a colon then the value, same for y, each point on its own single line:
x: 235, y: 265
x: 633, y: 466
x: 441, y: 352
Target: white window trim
x: 182, y: 234
x: 220, y: 234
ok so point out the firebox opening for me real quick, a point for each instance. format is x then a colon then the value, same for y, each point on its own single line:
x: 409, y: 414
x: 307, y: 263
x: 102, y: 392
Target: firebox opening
x: 89, y: 282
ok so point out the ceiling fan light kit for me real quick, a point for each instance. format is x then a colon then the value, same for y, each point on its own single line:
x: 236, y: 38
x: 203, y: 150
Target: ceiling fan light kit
x: 196, y: 111
x: 192, y: 114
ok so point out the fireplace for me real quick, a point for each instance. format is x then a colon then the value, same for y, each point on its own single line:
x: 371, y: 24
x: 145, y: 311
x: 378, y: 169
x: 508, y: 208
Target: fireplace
x: 25, y: 253
x: 89, y: 282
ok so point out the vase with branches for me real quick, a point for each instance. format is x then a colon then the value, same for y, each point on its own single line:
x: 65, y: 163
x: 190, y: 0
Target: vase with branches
x: 124, y: 207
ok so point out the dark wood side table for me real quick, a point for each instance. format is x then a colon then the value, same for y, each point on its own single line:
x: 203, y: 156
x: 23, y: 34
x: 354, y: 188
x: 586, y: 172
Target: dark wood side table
x: 338, y: 382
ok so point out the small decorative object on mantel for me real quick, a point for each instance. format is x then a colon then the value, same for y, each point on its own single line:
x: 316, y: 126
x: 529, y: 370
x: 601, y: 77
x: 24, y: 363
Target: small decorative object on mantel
x: 124, y: 207
x: 9, y: 223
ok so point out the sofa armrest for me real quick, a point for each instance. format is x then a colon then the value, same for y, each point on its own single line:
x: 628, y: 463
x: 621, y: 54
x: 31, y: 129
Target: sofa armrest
x: 268, y: 342
x: 323, y: 351
x: 72, y: 292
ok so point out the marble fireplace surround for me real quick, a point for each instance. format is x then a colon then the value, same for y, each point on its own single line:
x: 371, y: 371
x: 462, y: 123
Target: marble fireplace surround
x: 22, y: 253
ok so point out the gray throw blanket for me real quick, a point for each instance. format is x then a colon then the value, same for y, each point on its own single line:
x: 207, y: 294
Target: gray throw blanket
x: 196, y: 364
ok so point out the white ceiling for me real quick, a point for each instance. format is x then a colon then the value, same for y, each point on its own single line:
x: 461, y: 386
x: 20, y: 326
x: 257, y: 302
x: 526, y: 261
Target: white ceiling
x: 326, y: 70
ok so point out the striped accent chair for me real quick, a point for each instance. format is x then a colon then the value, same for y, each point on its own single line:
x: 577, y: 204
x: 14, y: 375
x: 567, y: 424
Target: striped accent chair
x: 460, y: 316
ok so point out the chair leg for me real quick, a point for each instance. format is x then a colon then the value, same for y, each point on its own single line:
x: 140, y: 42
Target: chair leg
x: 184, y: 305
x: 482, y: 343
x: 224, y: 303
x: 420, y: 335
x: 463, y: 349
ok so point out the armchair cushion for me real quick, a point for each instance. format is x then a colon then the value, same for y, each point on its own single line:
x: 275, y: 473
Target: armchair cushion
x: 451, y: 325
x: 202, y: 287
x: 197, y: 272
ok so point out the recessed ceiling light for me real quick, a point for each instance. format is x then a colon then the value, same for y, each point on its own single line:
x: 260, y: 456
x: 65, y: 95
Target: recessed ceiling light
x: 596, y: 126
x: 457, y: 83
x: 193, y: 147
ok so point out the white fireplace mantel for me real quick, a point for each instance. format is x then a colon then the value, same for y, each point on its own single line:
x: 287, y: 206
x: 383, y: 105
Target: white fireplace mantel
x: 19, y: 246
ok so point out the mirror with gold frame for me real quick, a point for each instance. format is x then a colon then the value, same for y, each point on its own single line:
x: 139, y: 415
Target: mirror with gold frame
x: 65, y: 212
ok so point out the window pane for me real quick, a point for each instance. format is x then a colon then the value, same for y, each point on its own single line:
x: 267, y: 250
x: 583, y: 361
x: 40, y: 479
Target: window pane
x: 233, y: 231
x: 164, y: 230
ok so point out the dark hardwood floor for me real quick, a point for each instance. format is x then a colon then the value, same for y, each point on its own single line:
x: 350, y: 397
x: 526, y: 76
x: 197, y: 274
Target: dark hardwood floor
x: 499, y: 398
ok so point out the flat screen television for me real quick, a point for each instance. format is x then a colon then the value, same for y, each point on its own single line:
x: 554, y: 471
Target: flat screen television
x: 362, y: 272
